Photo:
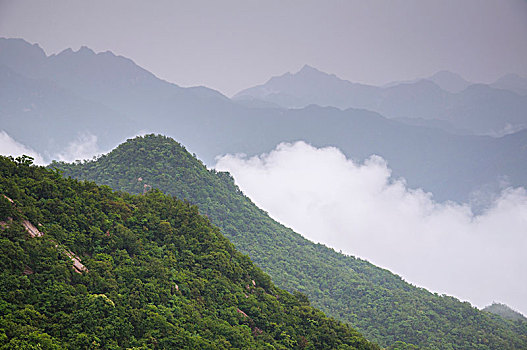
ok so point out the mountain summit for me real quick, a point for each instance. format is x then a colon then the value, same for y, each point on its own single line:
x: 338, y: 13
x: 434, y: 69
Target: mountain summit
x: 156, y: 275
x: 375, y: 301
x: 438, y: 101
x: 449, y: 81
x: 308, y: 86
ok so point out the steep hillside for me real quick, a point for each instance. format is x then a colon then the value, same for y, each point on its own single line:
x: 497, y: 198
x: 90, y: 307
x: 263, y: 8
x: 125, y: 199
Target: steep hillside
x: 505, y: 312
x: 157, y: 275
x: 377, y: 302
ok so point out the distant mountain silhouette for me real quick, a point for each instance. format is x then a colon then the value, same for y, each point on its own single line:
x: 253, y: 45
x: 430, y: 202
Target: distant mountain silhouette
x: 311, y: 86
x: 473, y: 108
x: 512, y: 82
x: 505, y: 312
x: 47, y: 101
x: 449, y: 81
x: 47, y: 117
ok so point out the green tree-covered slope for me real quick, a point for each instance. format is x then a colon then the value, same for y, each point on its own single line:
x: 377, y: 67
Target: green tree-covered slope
x: 378, y: 303
x: 159, y: 275
x: 505, y: 312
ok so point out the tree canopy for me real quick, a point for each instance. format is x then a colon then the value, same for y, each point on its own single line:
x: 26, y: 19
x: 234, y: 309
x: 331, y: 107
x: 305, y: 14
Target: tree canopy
x: 378, y: 303
x: 158, y: 275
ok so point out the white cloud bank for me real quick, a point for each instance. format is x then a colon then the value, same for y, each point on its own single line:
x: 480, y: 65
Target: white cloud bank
x: 361, y: 210
x: 10, y: 147
x: 83, y: 147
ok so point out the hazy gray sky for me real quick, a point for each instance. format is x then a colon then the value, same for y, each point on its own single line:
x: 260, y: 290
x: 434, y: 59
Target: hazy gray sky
x: 230, y: 45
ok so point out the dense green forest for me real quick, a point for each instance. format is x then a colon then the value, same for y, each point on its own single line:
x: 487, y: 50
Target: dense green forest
x: 378, y: 303
x: 156, y: 275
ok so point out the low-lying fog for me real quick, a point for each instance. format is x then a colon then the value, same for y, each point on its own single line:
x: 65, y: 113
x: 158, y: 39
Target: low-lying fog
x: 362, y: 211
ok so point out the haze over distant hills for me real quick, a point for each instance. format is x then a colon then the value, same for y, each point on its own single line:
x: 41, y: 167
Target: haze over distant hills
x: 445, y: 79
x: 512, y: 82
x: 449, y: 81
x: 50, y: 103
x: 505, y: 312
x: 443, y: 100
x: 53, y: 93
x: 66, y: 102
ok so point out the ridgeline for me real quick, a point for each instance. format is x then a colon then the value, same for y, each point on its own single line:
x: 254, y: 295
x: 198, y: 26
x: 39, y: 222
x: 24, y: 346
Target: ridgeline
x: 381, y: 305
x: 157, y: 275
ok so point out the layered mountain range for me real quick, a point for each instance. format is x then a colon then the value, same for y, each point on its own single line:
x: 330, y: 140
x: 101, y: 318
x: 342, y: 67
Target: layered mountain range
x: 49, y: 103
x: 434, y: 132
x: 444, y: 100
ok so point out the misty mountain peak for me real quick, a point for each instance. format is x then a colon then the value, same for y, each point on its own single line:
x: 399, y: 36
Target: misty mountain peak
x: 15, y: 45
x: 89, y: 64
x: 309, y: 69
x: 306, y: 72
x: 300, y: 89
x: 82, y: 51
x: 85, y: 50
x: 21, y: 56
x: 512, y: 82
x: 64, y: 52
x: 449, y: 81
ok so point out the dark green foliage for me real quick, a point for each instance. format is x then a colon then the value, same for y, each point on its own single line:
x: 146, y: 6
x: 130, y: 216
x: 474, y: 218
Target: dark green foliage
x: 378, y: 303
x: 160, y: 276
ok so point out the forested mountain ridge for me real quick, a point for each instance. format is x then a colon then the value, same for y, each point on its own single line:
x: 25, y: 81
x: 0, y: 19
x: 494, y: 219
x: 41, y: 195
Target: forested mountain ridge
x: 159, y: 275
x: 378, y: 303
x: 505, y: 312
